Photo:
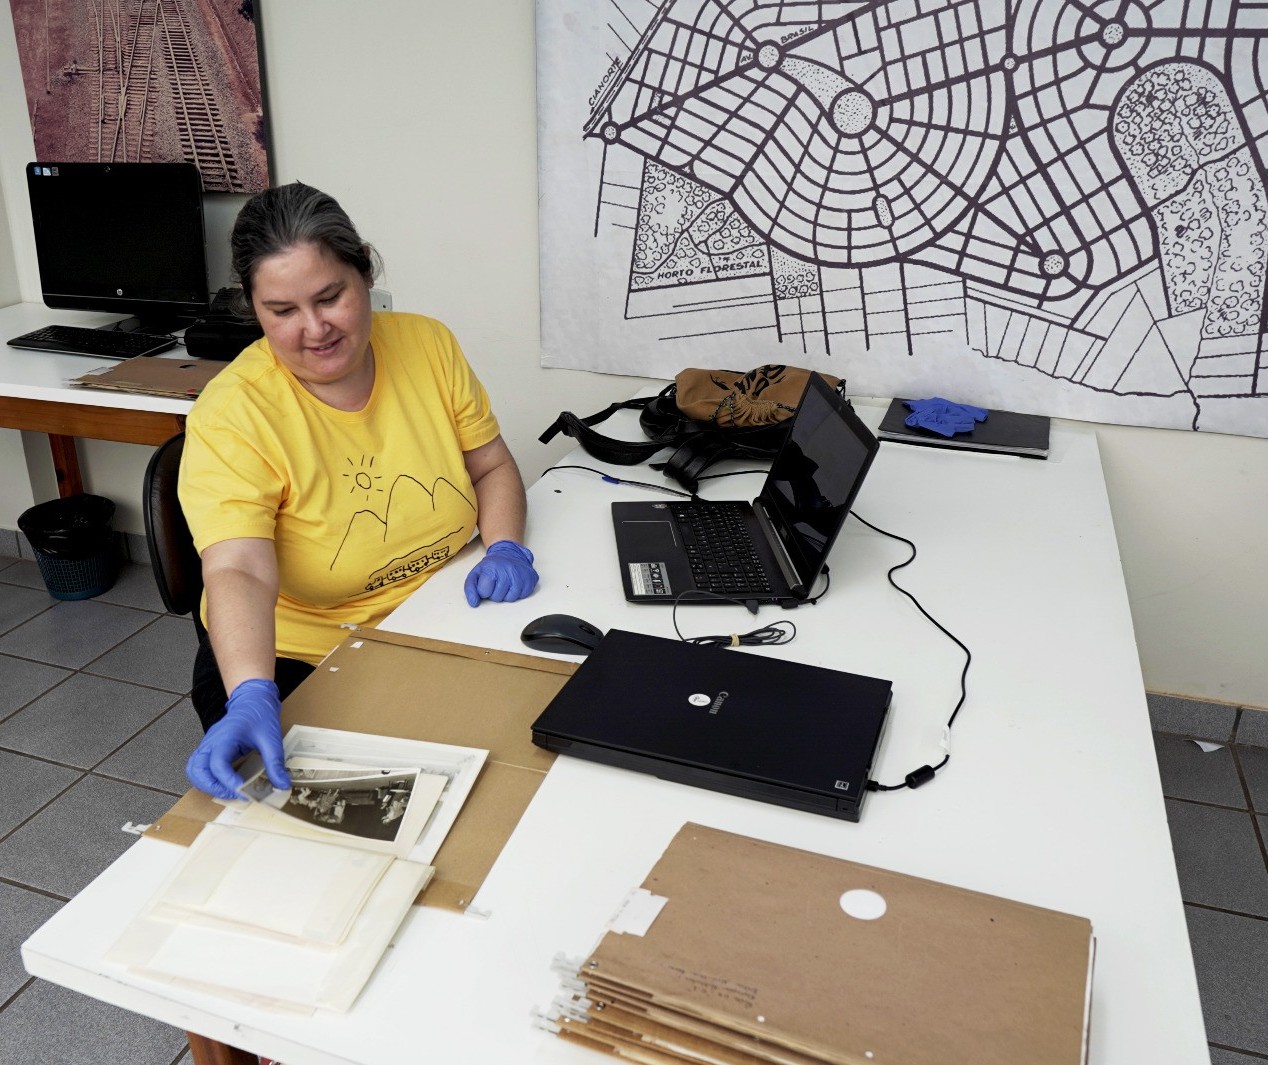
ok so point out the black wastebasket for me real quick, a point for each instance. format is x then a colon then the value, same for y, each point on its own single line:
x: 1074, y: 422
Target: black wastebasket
x: 74, y: 543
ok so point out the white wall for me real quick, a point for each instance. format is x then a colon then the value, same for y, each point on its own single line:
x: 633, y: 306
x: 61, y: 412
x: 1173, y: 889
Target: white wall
x: 1191, y: 514
x: 418, y: 115
x: 9, y: 291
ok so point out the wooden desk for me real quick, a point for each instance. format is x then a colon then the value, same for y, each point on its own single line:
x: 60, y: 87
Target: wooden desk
x: 1051, y: 797
x: 34, y: 395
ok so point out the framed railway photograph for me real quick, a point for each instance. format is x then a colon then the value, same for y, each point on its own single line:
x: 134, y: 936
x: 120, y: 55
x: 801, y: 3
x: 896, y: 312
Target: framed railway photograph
x: 148, y: 81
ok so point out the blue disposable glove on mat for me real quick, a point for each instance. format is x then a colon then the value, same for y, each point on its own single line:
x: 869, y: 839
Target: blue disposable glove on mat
x: 252, y: 722
x: 942, y: 416
x: 504, y: 574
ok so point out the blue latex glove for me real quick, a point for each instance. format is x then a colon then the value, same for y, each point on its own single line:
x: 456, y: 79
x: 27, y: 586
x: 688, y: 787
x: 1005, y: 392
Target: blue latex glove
x: 252, y: 722
x: 942, y: 416
x: 504, y: 574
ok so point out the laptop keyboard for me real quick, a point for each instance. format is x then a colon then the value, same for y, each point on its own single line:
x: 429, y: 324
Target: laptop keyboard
x: 720, y: 549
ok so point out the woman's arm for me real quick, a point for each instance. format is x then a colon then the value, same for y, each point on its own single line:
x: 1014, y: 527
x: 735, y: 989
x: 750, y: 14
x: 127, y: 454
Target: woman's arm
x: 240, y: 577
x: 499, y: 492
x: 506, y: 572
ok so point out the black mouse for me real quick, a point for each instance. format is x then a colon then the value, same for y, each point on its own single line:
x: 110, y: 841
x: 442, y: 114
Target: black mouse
x: 561, y: 634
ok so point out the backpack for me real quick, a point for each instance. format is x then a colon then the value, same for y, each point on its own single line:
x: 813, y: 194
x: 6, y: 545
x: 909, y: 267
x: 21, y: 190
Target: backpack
x: 703, y: 416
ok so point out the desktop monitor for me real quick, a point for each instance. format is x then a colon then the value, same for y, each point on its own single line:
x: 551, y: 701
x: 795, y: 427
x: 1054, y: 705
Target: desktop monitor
x: 125, y: 237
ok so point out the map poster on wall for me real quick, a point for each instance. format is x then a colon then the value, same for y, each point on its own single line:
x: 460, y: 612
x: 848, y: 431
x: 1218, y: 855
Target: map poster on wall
x: 146, y: 81
x: 1046, y: 206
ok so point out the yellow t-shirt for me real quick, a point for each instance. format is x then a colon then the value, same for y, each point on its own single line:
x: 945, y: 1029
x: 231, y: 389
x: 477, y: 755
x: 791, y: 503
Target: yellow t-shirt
x: 362, y: 506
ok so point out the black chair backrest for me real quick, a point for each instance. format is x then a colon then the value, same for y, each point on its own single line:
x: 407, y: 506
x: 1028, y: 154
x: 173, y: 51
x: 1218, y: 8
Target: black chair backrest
x: 177, y: 567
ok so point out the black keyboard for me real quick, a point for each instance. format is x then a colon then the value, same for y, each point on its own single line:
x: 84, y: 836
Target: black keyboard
x: 103, y: 343
x: 720, y: 548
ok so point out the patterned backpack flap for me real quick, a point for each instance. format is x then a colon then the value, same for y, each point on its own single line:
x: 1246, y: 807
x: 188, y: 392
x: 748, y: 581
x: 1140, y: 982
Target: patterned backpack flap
x: 728, y: 398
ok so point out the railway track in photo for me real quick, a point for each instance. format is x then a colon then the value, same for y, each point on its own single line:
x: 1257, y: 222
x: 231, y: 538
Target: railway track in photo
x: 137, y: 41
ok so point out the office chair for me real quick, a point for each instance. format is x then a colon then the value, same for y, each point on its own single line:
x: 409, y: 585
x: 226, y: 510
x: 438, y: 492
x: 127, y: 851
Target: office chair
x: 177, y: 567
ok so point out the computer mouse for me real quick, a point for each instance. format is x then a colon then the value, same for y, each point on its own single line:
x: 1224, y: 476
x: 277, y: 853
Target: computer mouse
x: 561, y: 634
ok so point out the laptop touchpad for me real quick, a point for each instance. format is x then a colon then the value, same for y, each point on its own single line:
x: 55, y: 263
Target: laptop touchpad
x: 651, y: 540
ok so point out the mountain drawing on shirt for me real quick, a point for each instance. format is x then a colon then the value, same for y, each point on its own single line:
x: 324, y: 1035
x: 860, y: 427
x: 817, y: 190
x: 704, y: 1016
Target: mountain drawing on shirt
x: 410, y: 505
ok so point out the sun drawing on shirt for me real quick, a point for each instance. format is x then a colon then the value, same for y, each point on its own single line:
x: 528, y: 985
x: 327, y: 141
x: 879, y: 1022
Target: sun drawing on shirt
x: 361, y: 479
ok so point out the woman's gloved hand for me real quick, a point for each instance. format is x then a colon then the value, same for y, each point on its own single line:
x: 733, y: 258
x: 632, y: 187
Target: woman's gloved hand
x: 504, y: 574
x: 252, y: 722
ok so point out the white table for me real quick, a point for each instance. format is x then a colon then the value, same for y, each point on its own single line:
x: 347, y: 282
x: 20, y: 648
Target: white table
x: 1051, y: 797
x: 34, y: 394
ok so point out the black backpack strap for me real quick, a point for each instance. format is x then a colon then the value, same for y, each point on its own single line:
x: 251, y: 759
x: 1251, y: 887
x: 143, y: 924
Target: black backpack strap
x: 695, y: 455
x: 604, y: 448
x: 568, y: 418
x: 695, y: 446
x: 661, y: 419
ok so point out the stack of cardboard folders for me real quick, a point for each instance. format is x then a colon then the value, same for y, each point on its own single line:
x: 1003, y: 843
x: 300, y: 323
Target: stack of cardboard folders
x: 736, y: 951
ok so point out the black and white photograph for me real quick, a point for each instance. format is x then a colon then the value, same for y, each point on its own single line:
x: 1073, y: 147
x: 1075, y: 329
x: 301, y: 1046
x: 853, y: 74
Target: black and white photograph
x: 367, y: 804
x: 377, y: 793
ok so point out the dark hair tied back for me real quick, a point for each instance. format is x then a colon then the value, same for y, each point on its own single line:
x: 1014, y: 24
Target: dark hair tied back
x: 281, y: 218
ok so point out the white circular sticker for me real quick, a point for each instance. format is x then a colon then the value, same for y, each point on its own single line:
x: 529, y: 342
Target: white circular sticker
x: 863, y: 904
x: 698, y: 700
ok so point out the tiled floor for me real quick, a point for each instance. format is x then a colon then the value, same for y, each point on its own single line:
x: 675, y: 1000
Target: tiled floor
x: 1217, y: 806
x: 94, y: 728
x: 95, y: 724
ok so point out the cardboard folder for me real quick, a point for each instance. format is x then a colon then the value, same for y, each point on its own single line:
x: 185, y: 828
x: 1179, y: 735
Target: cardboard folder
x: 754, y: 958
x: 176, y: 378
x: 392, y: 685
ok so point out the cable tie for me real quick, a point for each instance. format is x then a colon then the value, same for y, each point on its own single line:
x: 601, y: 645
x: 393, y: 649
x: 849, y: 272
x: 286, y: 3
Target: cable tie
x: 735, y: 639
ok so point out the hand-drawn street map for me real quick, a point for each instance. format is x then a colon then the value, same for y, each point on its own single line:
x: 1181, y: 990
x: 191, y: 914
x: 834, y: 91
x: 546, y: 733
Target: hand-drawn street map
x: 1055, y: 206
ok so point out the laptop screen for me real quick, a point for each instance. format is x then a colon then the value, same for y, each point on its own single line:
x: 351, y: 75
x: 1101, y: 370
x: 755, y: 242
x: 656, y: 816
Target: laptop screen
x: 816, y: 476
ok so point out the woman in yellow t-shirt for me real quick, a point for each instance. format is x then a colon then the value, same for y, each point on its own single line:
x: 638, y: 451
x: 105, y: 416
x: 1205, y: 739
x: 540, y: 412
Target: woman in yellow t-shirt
x: 328, y: 471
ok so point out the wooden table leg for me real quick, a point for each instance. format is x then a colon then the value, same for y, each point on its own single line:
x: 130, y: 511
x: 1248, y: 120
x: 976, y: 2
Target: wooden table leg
x: 206, y: 1051
x: 66, y: 465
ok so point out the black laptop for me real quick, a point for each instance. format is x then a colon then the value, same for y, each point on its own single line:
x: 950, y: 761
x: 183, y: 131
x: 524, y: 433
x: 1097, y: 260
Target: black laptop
x: 769, y: 551
x: 727, y: 720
